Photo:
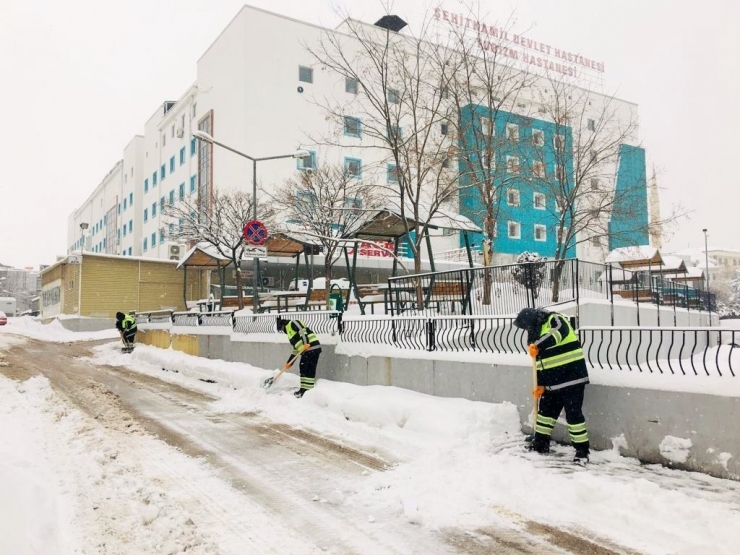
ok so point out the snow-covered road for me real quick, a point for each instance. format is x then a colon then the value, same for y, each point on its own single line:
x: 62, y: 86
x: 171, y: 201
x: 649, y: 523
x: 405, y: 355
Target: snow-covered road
x: 132, y: 457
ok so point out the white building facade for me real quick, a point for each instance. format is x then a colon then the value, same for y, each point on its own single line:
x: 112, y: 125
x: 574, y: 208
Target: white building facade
x: 255, y: 91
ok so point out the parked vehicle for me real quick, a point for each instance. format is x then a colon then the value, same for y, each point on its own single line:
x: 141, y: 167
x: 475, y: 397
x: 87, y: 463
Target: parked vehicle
x: 8, y: 305
x: 3, y: 319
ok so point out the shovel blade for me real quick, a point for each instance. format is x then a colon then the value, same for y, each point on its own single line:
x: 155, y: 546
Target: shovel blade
x: 267, y: 383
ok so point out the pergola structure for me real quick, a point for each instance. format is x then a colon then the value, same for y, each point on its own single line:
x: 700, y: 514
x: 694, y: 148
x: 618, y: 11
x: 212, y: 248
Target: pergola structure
x: 203, y: 257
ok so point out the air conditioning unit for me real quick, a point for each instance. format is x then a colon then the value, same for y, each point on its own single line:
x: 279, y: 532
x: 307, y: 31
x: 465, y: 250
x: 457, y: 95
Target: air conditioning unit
x: 174, y: 252
x: 180, y: 133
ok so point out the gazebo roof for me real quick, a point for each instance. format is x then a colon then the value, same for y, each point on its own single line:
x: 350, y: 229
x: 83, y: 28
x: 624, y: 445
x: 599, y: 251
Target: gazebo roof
x: 388, y: 222
x: 204, y: 257
x: 631, y: 257
x: 290, y: 241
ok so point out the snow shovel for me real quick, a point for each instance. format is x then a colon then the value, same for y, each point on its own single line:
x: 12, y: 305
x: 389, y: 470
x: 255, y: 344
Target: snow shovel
x: 269, y: 381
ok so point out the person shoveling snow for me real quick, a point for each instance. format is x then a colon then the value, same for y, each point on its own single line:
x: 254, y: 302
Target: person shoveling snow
x: 305, y: 345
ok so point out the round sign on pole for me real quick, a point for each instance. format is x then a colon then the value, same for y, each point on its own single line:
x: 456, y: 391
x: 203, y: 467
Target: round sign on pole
x: 255, y: 232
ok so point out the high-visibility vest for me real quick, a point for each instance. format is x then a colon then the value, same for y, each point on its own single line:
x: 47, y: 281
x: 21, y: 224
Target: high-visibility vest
x: 300, y: 335
x: 566, y: 350
x: 128, y: 323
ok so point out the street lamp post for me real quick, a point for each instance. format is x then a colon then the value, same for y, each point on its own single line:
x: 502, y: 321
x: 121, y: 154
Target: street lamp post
x: 706, y: 257
x: 203, y: 136
x: 83, y: 227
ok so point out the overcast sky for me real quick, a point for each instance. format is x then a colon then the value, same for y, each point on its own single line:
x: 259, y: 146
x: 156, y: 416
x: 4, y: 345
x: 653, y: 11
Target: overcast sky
x: 78, y: 78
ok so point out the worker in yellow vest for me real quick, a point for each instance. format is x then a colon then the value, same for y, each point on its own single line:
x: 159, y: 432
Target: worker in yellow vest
x: 306, y: 345
x: 561, y: 377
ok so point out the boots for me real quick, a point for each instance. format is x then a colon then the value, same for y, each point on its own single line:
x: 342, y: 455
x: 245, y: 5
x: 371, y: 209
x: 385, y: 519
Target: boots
x: 582, y: 452
x: 540, y: 444
x: 298, y: 394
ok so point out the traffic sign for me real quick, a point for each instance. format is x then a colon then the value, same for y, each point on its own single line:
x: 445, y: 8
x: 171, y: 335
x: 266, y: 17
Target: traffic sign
x: 255, y: 232
x: 255, y: 252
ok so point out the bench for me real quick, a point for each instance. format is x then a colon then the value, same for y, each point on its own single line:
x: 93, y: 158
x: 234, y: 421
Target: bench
x: 448, y: 291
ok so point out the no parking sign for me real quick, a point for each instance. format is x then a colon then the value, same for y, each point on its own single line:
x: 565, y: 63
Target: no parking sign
x: 255, y: 232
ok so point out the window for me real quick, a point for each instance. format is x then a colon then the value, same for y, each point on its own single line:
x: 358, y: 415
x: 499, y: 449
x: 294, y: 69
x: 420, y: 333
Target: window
x: 172, y: 197
x: 154, y: 239
x: 181, y: 191
x: 559, y: 142
x: 164, y: 139
x: 195, y: 109
x: 540, y: 232
x: 305, y: 74
x: 131, y: 199
x: 130, y: 226
x: 145, y: 243
x: 515, y: 230
x: 162, y: 235
x: 352, y: 126
x: 353, y: 167
x: 443, y: 128
x: 182, y: 156
x: 562, y: 234
x: 154, y: 179
x: 173, y: 129
x: 540, y: 201
x: 119, y: 208
x: 512, y: 132
x: 594, y: 156
x: 125, y: 202
x: 395, y: 133
x: 538, y: 137
x: 538, y: 169
x: 192, y: 146
x: 559, y: 204
x: 485, y: 127
x: 595, y: 185
x: 350, y: 85
x: 163, y: 172
x: 596, y: 241
x: 512, y: 197
x: 171, y: 229
x: 130, y: 251
x: 394, y: 96
x: 146, y: 214
x: 306, y: 162
x: 154, y: 209
x: 182, y: 121
x: 146, y: 185
x: 192, y: 184
x: 591, y: 125
x: 444, y: 92
x: 559, y: 173
x: 392, y: 176
x: 124, y: 231
x: 486, y: 160
x: 172, y: 164
x: 512, y: 164
x: 162, y: 203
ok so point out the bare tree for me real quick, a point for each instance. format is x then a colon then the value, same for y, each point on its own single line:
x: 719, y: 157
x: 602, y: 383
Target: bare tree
x: 398, y: 111
x: 221, y: 227
x: 328, y: 204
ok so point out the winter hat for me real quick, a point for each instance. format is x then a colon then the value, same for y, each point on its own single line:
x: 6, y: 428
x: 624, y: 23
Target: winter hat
x: 120, y: 316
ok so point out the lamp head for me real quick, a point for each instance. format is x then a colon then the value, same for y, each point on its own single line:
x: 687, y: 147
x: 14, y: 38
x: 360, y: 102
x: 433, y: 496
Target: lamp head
x: 202, y: 135
x: 84, y: 226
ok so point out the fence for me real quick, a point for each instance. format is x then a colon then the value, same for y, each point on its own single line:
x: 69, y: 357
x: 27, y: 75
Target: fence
x: 324, y: 322
x: 192, y: 319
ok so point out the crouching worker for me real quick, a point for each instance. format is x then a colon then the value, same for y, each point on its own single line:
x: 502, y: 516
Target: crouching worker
x: 561, y: 377
x: 126, y: 326
x: 306, y: 345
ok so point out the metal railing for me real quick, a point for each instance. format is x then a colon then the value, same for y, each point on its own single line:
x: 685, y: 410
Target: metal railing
x: 322, y: 322
x: 195, y: 319
x: 154, y: 317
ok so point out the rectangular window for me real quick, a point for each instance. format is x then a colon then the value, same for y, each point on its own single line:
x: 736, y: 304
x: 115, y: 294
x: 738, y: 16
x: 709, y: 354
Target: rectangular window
x: 443, y: 128
x: 171, y: 229
x: 307, y: 162
x: 164, y: 140
x: 305, y: 74
x: 352, y: 126
x: 444, y: 92
x: 540, y: 232
x: 173, y: 129
x: 538, y: 169
x: 182, y: 156
x: 154, y: 179
x: 154, y: 239
x: 540, y: 201
x: 353, y: 167
x: 162, y: 202
x: 125, y: 203
x: 594, y: 156
x: 515, y: 231
x: 512, y: 132
x: 350, y: 85
x: 192, y: 184
x: 163, y: 172
x: 512, y: 164
x: 146, y: 214
x: 146, y: 185
x: 394, y: 96
x: 130, y: 251
x: 559, y: 204
x: 538, y: 137
x: 181, y: 191
x: 395, y: 133
x: 172, y: 164
x: 486, y: 160
x: 192, y: 146
x: 392, y: 174
x: 154, y: 209
x: 591, y: 125
x: 172, y: 197
x: 162, y: 235
x: 124, y: 230
x: 145, y: 243
x: 130, y: 226
x: 119, y: 208
x: 195, y: 109
x: 512, y: 197
x: 595, y: 185
x: 179, y: 225
x: 559, y: 173
x: 596, y: 241
x: 486, y: 128
x: 559, y: 142
x: 131, y: 199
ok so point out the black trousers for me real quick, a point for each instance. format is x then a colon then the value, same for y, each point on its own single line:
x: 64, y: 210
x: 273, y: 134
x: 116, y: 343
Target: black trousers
x: 552, y: 404
x: 129, y: 336
x: 307, y: 366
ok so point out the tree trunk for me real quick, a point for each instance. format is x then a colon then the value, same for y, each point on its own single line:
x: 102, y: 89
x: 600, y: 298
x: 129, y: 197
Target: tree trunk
x: 417, y: 271
x: 239, y: 293
x: 327, y: 275
x: 556, y: 273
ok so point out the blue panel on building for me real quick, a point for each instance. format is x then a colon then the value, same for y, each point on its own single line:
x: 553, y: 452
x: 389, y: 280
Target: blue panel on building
x: 629, y: 227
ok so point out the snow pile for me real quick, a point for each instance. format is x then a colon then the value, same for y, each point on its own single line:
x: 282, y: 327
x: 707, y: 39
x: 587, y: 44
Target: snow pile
x: 676, y: 449
x: 53, y: 332
x: 462, y: 463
